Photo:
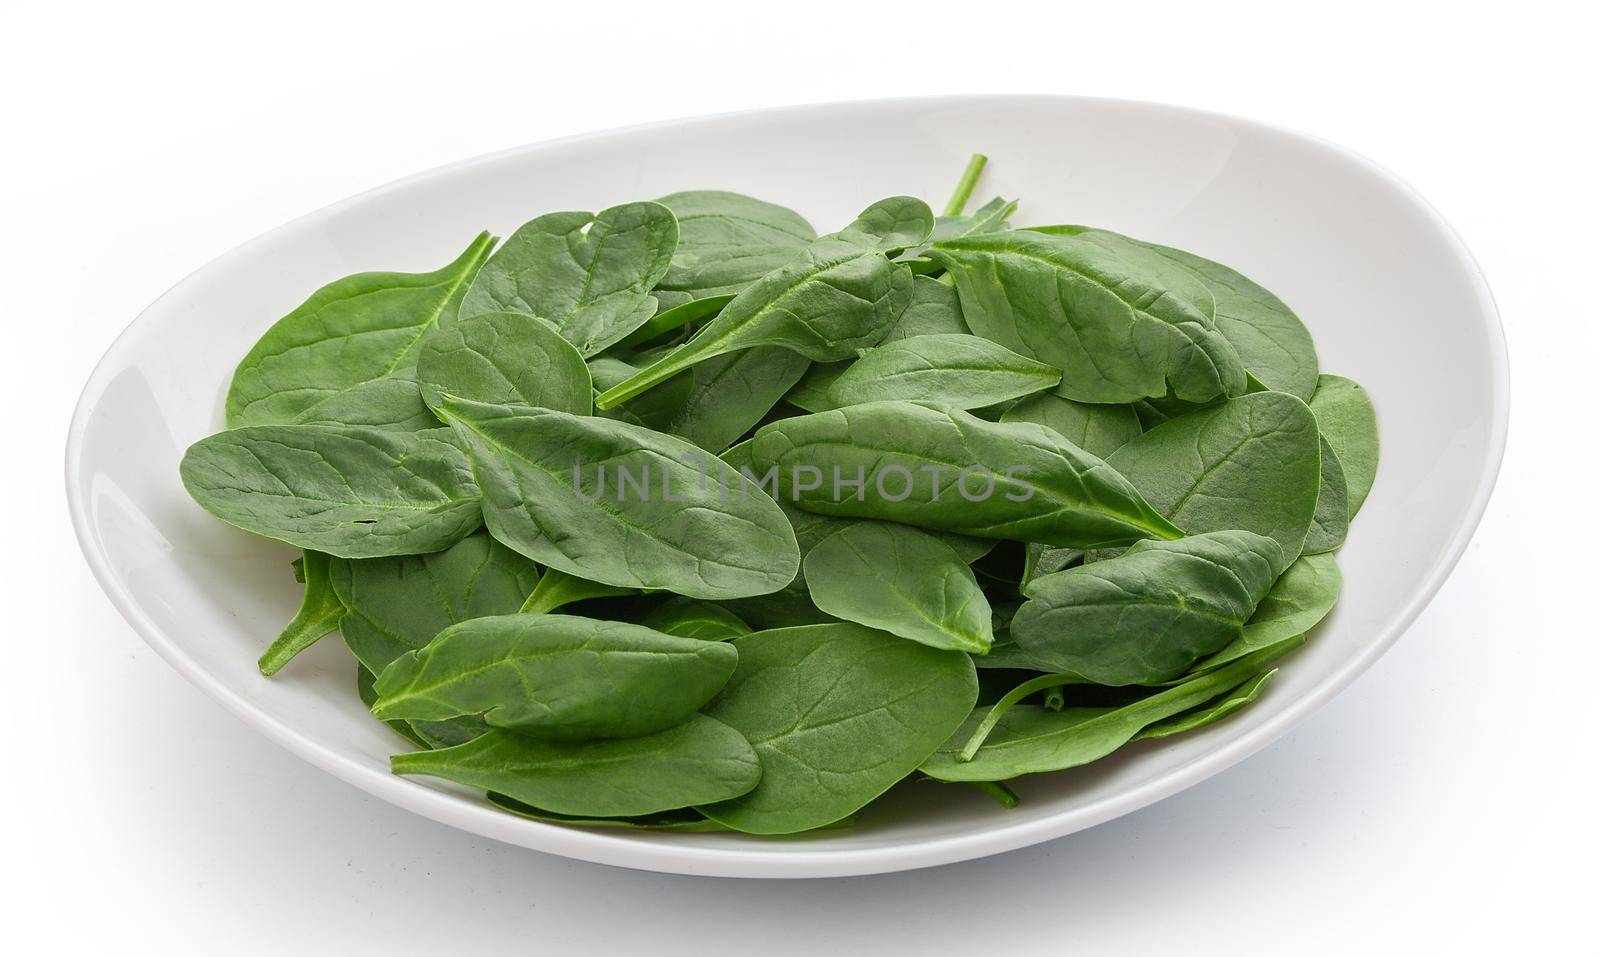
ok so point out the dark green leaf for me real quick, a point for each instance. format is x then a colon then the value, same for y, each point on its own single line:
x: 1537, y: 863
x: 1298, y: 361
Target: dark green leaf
x: 1113, y: 330
x: 399, y: 604
x: 697, y: 762
x: 351, y: 492
x: 901, y: 580
x: 554, y: 492
x: 556, y: 677
x: 911, y: 460
x: 1148, y: 614
x: 954, y: 371
x: 1251, y: 462
x: 838, y: 713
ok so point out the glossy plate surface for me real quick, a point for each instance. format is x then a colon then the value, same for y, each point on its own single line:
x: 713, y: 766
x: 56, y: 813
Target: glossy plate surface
x: 1391, y: 295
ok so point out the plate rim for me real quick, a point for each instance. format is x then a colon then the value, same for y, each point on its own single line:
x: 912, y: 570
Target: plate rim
x: 753, y: 860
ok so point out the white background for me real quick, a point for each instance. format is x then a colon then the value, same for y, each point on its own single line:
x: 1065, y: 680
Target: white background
x: 1446, y: 800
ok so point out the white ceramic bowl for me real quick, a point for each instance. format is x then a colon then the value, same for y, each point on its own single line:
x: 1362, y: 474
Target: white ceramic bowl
x: 1391, y: 295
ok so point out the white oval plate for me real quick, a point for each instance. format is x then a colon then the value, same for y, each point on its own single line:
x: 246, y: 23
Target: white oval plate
x: 1392, y: 297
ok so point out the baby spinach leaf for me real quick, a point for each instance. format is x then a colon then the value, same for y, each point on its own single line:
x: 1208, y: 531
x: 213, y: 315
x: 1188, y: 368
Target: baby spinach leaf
x: 1251, y: 462
x: 1112, y: 329
x: 1147, y: 261
x: 693, y: 618
x: 951, y: 370
x: 1148, y: 614
x: 1345, y: 415
x: 1211, y: 712
x: 319, y: 614
x: 393, y: 402
x: 350, y: 332
x: 668, y: 320
x: 504, y: 357
x: 1097, y: 429
x: 811, y: 392
x: 1298, y: 600
x: 917, y: 465
x: 901, y: 580
x: 555, y: 490
x: 1331, y: 521
x: 589, y: 275
x: 728, y: 395
x: 686, y: 820
x: 556, y: 588
x: 426, y: 734
x: 1271, y: 340
x: 935, y: 309
x: 839, y: 294
x: 838, y: 713
x: 699, y: 761
x: 396, y: 605
x: 1032, y: 739
x: 368, y: 696
x: 351, y: 492
x: 727, y: 241
x: 557, y: 677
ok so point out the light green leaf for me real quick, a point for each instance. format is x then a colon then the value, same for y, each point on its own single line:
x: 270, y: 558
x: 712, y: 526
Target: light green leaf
x: 508, y: 358
x: 1345, y: 415
x: 589, y: 275
x: 350, y: 332
x: 901, y: 580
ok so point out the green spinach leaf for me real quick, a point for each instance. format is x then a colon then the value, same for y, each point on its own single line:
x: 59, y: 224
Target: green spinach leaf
x: 1115, y: 333
x: 693, y: 618
x: 1097, y: 429
x: 557, y: 490
x: 350, y: 492
x: 396, y: 605
x: 839, y: 294
x: 319, y: 614
x: 838, y: 714
x: 901, y: 580
x: 556, y: 588
x: 589, y: 275
x: 1331, y: 521
x: 1210, y: 713
x: 936, y: 468
x: 697, y: 762
x: 350, y: 332
x: 1032, y: 739
x: 1345, y: 415
x: 949, y: 370
x: 1298, y: 600
x: 1149, y: 614
x: 1251, y: 462
x: 505, y: 357
x: 726, y: 241
x: 557, y: 677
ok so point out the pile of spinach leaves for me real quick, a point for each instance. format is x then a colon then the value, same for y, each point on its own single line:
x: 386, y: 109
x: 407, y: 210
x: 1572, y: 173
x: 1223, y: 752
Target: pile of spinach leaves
x: 758, y: 653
